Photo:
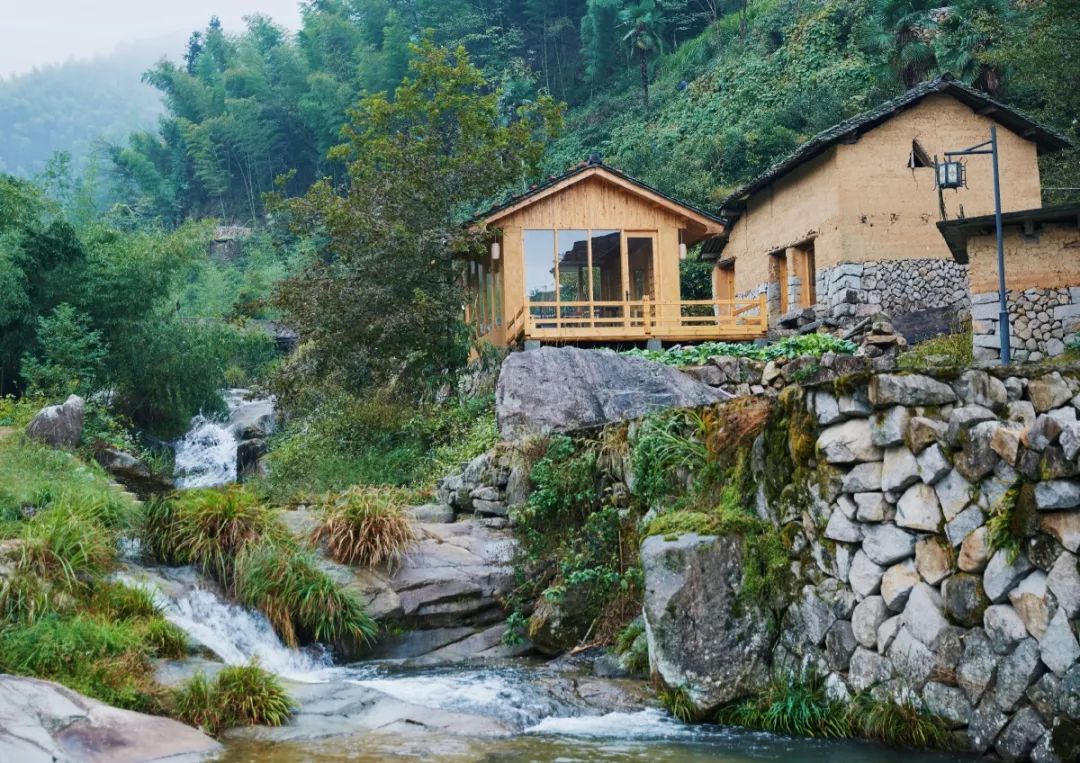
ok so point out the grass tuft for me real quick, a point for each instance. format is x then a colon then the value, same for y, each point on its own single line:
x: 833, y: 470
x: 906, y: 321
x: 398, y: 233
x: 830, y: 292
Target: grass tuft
x: 244, y: 695
x: 366, y: 526
x: 945, y: 351
x: 677, y: 702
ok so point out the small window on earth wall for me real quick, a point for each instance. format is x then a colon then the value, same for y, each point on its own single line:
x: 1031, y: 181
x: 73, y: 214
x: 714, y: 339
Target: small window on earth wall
x: 919, y: 157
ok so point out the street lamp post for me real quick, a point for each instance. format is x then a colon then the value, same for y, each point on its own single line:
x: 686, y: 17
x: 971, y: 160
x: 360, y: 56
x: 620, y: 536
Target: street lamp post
x: 952, y: 174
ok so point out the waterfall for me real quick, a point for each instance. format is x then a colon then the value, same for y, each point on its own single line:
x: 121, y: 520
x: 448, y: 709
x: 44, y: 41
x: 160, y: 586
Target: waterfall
x: 236, y: 635
x: 206, y: 454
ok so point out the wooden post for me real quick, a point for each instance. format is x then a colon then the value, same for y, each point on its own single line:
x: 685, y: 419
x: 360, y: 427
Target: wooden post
x: 645, y: 314
x: 763, y: 311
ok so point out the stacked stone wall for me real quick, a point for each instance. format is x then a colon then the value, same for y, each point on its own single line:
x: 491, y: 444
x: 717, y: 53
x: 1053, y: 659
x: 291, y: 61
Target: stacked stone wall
x: 1042, y: 321
x: 855, y: 290
x: 901, y: 588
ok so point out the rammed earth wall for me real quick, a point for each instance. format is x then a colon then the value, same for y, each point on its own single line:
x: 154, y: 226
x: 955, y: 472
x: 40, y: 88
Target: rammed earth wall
x: 898, y: 587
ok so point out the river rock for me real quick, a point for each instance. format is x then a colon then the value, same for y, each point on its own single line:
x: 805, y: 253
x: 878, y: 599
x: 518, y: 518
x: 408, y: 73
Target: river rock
x: 848, y: 443
x: 886, y: 544
x: 43, y: 722
x: 1001, y: 574
x: 59, y: 426
x: 567, y: 389
x: 700, y: 634
x: 132, y: 472
x: 558, y: 624
x: 908, y: 390
x: 253, y: 419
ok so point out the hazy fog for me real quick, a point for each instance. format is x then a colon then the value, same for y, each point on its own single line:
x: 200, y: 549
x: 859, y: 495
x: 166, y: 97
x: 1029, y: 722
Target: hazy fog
x: 35, y: 33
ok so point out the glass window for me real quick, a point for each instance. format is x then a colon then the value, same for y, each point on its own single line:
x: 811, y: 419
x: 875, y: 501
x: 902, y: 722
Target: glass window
x: 573, y: 259
x: 540, y: 270
x: 607, y: 275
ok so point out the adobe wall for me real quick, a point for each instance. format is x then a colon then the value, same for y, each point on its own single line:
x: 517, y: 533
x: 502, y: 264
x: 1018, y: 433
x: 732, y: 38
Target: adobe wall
x: 1042, y: 272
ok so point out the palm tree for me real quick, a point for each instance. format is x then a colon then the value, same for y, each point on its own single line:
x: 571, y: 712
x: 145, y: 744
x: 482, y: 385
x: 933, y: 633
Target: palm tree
x: 644, y: 23
x: 967, y: 32
x: 902, y: 30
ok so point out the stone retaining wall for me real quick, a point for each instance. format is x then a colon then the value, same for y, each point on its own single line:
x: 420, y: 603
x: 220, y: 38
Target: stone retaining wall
x: 899, y: 588
x: 1042, y: 321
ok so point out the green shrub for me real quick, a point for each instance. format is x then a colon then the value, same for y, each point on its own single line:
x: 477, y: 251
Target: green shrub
x: 791, y: 707
x: 165, y: 639
x: 70, y: 358
x: 65, y: 547
x: 366, y: 526
x: 301, y: 601
x: 243, y: 695
x: 632, y: 643
x: 117, y: 601
x: 899, y: 724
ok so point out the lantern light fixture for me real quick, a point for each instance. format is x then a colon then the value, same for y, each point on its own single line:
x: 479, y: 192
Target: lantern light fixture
x: 951, y: 174
x: 496, y: 250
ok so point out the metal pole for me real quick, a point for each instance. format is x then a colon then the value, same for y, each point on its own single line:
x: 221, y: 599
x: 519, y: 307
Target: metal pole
x: 1004, y: 329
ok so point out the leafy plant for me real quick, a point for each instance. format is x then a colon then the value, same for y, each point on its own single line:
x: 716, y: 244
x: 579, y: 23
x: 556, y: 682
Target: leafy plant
x: 244, y: 695
x: 366, y: 526
x: 788, y: 347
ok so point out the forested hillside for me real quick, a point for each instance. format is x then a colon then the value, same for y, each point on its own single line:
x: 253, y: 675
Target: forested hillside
x: 691, y: 95
x: 76, y: 107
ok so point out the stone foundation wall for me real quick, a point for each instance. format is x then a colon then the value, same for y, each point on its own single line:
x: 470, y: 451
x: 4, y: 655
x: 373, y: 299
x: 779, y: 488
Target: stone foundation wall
x: 898, y: 586
x: 1042, y: 321
x: 855, y: 290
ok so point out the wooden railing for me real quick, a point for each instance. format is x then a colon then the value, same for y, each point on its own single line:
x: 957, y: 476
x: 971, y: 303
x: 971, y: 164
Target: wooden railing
x: 631, y: 320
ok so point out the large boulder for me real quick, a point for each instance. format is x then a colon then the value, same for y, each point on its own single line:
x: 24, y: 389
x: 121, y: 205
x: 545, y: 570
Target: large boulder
x: 701, y: 635
x: 133, y: 472
x: 252, y: 419
x: 58, y: 425
x: 557, y: 625
x: 42, y: 722
x: 566, y: 389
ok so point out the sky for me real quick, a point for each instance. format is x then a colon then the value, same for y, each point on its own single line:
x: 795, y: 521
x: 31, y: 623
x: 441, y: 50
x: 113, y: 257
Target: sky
x: 35, y: 33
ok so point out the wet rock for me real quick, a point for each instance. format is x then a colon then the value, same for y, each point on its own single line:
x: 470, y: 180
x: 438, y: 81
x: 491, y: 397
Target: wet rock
x: 964, y: 599
x: 977, y: 668
x: 847, y: 443
x: 897, y: 584
x: 59, y: 426
x: 700, y: 634
x: 908, y: 390
x: 253, y: 419
x: 1058, y: 648
x: 918, y: 509
x: 1001, y: 574
x: 132, y: 472
x: 1020, y: 735
x: 1003, y: 627
x: 43, y: 721
x: 886, y: 544
x: 948, y: 703
x: 249, y: 455
x: 566, y: 389
x: 1016, y: 672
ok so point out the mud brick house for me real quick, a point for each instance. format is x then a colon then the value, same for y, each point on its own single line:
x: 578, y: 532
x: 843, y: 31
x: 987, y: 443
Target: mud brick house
x: 846, y: 226
x: 1042, y: 271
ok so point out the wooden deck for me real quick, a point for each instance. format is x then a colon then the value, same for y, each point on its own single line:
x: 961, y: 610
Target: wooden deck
x: 696, y: 320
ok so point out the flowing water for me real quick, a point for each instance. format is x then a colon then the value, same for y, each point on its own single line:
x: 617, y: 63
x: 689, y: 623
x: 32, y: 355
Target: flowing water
x: 515, y: 712
x: 206, y: 455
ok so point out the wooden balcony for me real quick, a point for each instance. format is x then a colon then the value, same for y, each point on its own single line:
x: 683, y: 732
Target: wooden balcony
x: 696, y: 320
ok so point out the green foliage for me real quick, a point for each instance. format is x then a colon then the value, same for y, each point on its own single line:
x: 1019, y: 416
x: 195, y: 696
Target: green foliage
x: 814, y: 345
x: 72, y: 355
x: 1012, y: 520
x: 414, y: 163
x: 800, y: 706
x: 946, y: 351
x: 244, y: 695
x: 677, y: 702
x: 632, y: 642
x: 665, y: 449
x: 366, y: 526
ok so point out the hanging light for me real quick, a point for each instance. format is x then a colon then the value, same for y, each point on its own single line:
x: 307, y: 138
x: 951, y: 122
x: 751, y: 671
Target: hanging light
x: 682, y: 247
x: 496, y: 250
x: 951, y: 174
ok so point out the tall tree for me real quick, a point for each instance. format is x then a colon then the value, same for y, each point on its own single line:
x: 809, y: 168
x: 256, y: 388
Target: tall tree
x: 644, y: 25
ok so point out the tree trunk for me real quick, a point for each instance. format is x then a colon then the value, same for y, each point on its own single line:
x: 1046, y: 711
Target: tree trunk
x: 643, y: 65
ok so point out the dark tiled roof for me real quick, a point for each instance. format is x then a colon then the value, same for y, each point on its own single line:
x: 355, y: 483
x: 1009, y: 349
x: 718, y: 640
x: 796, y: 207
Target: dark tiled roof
x: 957, y: 232
x: 593, y: 162
x: 1046, y: 139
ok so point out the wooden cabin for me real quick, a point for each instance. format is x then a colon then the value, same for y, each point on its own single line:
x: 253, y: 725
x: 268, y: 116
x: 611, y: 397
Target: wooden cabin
x: 593, y: 256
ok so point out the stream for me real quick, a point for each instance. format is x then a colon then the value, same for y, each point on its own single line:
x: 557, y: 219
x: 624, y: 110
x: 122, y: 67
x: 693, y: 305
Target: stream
x: 513, y: 710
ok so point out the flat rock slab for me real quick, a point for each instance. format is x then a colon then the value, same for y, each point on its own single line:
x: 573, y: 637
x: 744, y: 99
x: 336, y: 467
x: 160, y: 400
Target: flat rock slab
x: 567, y: 389
x: 43, y: 721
